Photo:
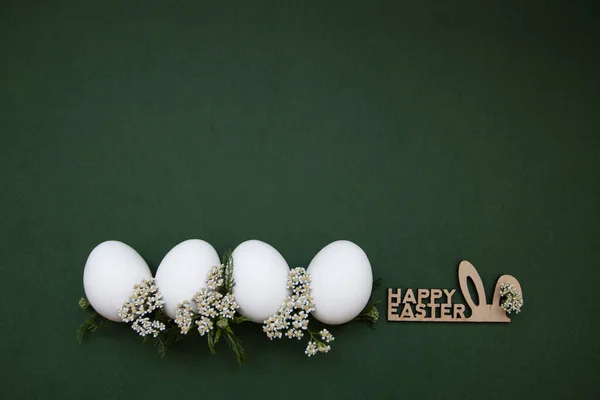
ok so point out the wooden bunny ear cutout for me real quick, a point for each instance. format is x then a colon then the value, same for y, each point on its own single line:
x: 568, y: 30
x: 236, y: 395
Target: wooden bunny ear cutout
x: 483, y: 312
x: 495, y: 306
x: 466, y: 270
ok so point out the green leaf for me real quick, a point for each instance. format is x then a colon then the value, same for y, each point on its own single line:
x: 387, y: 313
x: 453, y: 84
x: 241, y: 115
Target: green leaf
x: 211, y: 341
x: 376, y: 283
x: 228, y: 272
x: 236, y: 346
x: 165, y: 338
x: 90, y: 325
x: 238, y: 319
x: 217, y: 336
x: 161, y: 346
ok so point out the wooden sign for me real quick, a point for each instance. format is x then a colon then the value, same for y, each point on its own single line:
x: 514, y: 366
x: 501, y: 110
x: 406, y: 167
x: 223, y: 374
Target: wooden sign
x: 436, y: 305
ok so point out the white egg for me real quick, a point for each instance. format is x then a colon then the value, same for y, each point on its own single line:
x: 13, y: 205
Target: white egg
x: 111, y: 271
x: 183, y: 271
x: 341, y: 282
x: 260, y: 274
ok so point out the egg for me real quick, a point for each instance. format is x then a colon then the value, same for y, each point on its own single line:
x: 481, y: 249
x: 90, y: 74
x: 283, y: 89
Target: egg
x: 341, y: 282
x: 111, y: 271
x: 260, y: 274
x: 183, y: 271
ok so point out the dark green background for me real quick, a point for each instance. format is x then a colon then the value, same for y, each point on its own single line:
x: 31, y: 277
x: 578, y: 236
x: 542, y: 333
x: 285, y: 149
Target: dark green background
x: 425, y: 132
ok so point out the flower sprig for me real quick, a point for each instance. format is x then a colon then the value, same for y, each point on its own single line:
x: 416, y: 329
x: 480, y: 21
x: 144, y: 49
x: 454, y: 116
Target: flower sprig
x: 293, y: 316
x: 144, y: 300
x: 510, y: 298
x: 213, y: 309
x: 319, y: 346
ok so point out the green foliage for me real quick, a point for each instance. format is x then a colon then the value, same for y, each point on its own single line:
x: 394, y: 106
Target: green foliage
x: 92, y: 323
x: 84, y: 304
x: 217, y: 336
x: 160, y: 345
x: 370, y: 314
x: 222, y: 323
x: 229, y: 283
x: 236, y: 346
x: 238, y: 319
x: 165, y: 338
x: 376, y: 283
x: 210, y: 336
x: 213, y: 337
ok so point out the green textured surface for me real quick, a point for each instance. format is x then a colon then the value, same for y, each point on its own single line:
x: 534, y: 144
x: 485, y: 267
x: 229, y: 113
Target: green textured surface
x: 426, y: 133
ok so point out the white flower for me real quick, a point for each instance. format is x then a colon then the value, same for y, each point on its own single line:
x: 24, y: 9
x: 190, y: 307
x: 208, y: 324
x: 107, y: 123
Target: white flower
x: 204, y: 325
x: 311, y: 349
x: 326, y: 335
x: 324, y: 348
x: 215, y: 277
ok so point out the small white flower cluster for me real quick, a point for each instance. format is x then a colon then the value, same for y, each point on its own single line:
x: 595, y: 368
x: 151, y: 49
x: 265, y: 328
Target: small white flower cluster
x: 511, y: 299
x: 214, y: 279
x: 326, y: 336
x: 144, y: 327
x: 210, y: 305
x: 315, y: 346
x: 144, y: 299
x: 183, y: 317
x: 292, y: 317
x: 213, y: 305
